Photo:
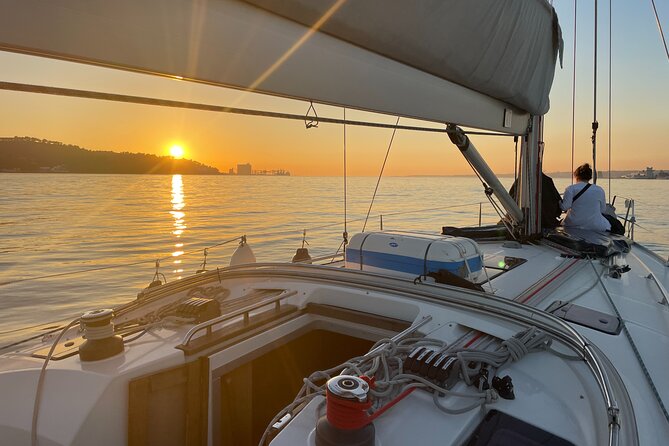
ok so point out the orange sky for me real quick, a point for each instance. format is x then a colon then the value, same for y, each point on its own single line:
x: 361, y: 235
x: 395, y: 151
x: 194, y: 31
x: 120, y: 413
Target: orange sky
x: 640, y: 130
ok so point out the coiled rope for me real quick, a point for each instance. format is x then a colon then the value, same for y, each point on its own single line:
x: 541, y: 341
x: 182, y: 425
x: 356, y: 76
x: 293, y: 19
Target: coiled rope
x: 391, y: 383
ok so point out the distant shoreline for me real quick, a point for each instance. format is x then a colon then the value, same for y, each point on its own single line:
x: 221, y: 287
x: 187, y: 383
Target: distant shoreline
x: 33, y: 155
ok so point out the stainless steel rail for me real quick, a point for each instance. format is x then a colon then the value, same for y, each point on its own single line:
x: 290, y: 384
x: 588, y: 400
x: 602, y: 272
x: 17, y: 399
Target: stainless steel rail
x: 663, y: 292
x: 207, y: 325
x: 469, y: 300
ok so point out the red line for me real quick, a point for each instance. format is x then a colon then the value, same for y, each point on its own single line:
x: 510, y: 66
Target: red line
x: 397, y: 399
x: 473, y: 340
x: 479, y: 334
x: 547, y: 283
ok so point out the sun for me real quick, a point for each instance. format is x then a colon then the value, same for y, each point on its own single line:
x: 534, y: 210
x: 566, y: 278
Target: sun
x: 177, y: 151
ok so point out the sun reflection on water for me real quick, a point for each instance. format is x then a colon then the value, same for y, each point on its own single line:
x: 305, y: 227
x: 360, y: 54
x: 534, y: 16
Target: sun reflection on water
x: 178, y: 204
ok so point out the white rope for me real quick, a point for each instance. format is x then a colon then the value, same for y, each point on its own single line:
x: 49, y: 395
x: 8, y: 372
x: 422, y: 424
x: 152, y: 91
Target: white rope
x: 385, y: 367
x: 40, y: 382
x: 96, y: 333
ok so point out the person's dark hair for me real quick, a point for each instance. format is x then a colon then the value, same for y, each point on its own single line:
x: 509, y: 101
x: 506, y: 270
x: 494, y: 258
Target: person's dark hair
x: 583, y: 172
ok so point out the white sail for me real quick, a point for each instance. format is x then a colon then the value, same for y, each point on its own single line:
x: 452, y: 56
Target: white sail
x: 448, y: 61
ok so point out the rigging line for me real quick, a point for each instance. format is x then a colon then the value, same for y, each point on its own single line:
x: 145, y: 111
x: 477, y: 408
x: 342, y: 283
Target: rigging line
x: 30, y: 338
x: 390, y: 144
x: 610, y: 87
x: 341, y: 245
x: 413, y: 211
x: 143, y: 100
x: 345, y: 235
x: 573, y: 97
x: 433, y: 209
x: 71, y: 273
x: 595, y: 124
x: 659, y: 28
x: 515, y: 162
x: 102, y: 268
x: 637, y: 354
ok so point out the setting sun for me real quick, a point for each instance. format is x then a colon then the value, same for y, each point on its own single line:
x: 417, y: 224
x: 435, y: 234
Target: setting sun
x: 177, y: 151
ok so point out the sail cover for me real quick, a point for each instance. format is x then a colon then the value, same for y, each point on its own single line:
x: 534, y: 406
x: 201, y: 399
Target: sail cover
x: 504, y: 48
x: 484, y: 63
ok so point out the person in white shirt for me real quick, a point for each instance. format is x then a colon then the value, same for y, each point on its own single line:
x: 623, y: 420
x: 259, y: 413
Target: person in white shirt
x: 584, y: 203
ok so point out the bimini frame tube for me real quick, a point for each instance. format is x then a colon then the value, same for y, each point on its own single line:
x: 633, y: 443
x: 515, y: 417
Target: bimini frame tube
x: 472, y: 155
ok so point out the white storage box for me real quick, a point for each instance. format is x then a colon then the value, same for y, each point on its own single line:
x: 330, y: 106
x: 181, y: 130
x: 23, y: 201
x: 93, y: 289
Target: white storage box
x: 411, y: 255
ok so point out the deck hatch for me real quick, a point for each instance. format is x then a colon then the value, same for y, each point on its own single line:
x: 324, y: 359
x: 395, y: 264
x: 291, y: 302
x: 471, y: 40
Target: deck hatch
x: 498, y: 428
x: 586, y: 317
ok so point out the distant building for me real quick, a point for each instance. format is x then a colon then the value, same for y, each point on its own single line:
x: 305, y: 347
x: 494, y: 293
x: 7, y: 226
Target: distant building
x: 247, y: 169
x: 244, y: 169
x: 648, y: 174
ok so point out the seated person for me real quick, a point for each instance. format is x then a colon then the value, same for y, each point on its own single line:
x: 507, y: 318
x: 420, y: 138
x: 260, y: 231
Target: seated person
x: 585, y: 203
x: 550, y: 202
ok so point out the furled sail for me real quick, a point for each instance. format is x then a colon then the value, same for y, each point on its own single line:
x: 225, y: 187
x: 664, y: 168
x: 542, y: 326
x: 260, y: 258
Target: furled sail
x: 486, y: 64
x: 505, y: 49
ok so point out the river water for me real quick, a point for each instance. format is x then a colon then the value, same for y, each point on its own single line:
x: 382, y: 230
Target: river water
x: 61, y: 224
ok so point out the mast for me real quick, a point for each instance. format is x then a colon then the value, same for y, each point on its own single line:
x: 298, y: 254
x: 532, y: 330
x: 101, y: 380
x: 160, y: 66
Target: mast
x: 529, y: 178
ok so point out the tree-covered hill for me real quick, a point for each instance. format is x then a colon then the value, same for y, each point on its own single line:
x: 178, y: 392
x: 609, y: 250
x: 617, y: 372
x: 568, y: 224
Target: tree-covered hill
x: 24, y: 154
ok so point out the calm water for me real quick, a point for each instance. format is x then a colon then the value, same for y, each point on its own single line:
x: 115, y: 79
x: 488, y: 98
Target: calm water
x: 62, y: 223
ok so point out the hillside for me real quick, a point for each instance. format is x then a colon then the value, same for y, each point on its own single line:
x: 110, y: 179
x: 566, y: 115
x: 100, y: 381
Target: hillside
x: 24, y: 154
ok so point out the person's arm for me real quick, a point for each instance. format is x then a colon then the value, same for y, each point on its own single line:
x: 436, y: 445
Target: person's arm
x: 567, y: 199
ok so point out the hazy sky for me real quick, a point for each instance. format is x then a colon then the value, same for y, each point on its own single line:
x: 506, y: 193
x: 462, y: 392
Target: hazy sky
x: 640, y: 130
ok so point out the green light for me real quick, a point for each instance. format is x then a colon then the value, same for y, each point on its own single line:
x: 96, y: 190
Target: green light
x: 501, y: 264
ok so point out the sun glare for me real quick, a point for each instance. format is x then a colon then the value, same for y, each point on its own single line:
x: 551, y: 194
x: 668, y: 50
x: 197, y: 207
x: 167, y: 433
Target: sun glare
x: 177, y: 151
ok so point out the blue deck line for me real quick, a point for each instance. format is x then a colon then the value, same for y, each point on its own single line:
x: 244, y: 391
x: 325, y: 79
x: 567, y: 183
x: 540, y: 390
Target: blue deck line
x: 406, y: 264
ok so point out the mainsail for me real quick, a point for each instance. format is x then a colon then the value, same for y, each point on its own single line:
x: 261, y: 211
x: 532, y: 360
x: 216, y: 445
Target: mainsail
x: 486, y: 64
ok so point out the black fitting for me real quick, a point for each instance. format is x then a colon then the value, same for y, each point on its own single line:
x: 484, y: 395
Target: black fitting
x: 480, y: 381
x: 458, y: 137
x: 302, y: 256
x: 504, y: 387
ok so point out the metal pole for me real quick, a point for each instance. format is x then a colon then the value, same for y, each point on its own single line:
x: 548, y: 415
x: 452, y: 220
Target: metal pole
x: 633, y: 219
x: 472, y: 155
x: 381, y: 221
x: 480, y: 210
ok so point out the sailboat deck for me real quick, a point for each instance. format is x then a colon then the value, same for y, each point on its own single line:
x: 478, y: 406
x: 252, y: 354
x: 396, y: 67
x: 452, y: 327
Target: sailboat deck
x: 557, y: 395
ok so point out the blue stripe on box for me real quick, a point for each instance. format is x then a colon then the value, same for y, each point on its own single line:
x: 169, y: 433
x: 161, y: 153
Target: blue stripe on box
x: 406, y: 264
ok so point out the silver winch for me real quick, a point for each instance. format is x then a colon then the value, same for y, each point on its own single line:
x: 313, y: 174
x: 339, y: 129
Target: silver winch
x: 348, y: 387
